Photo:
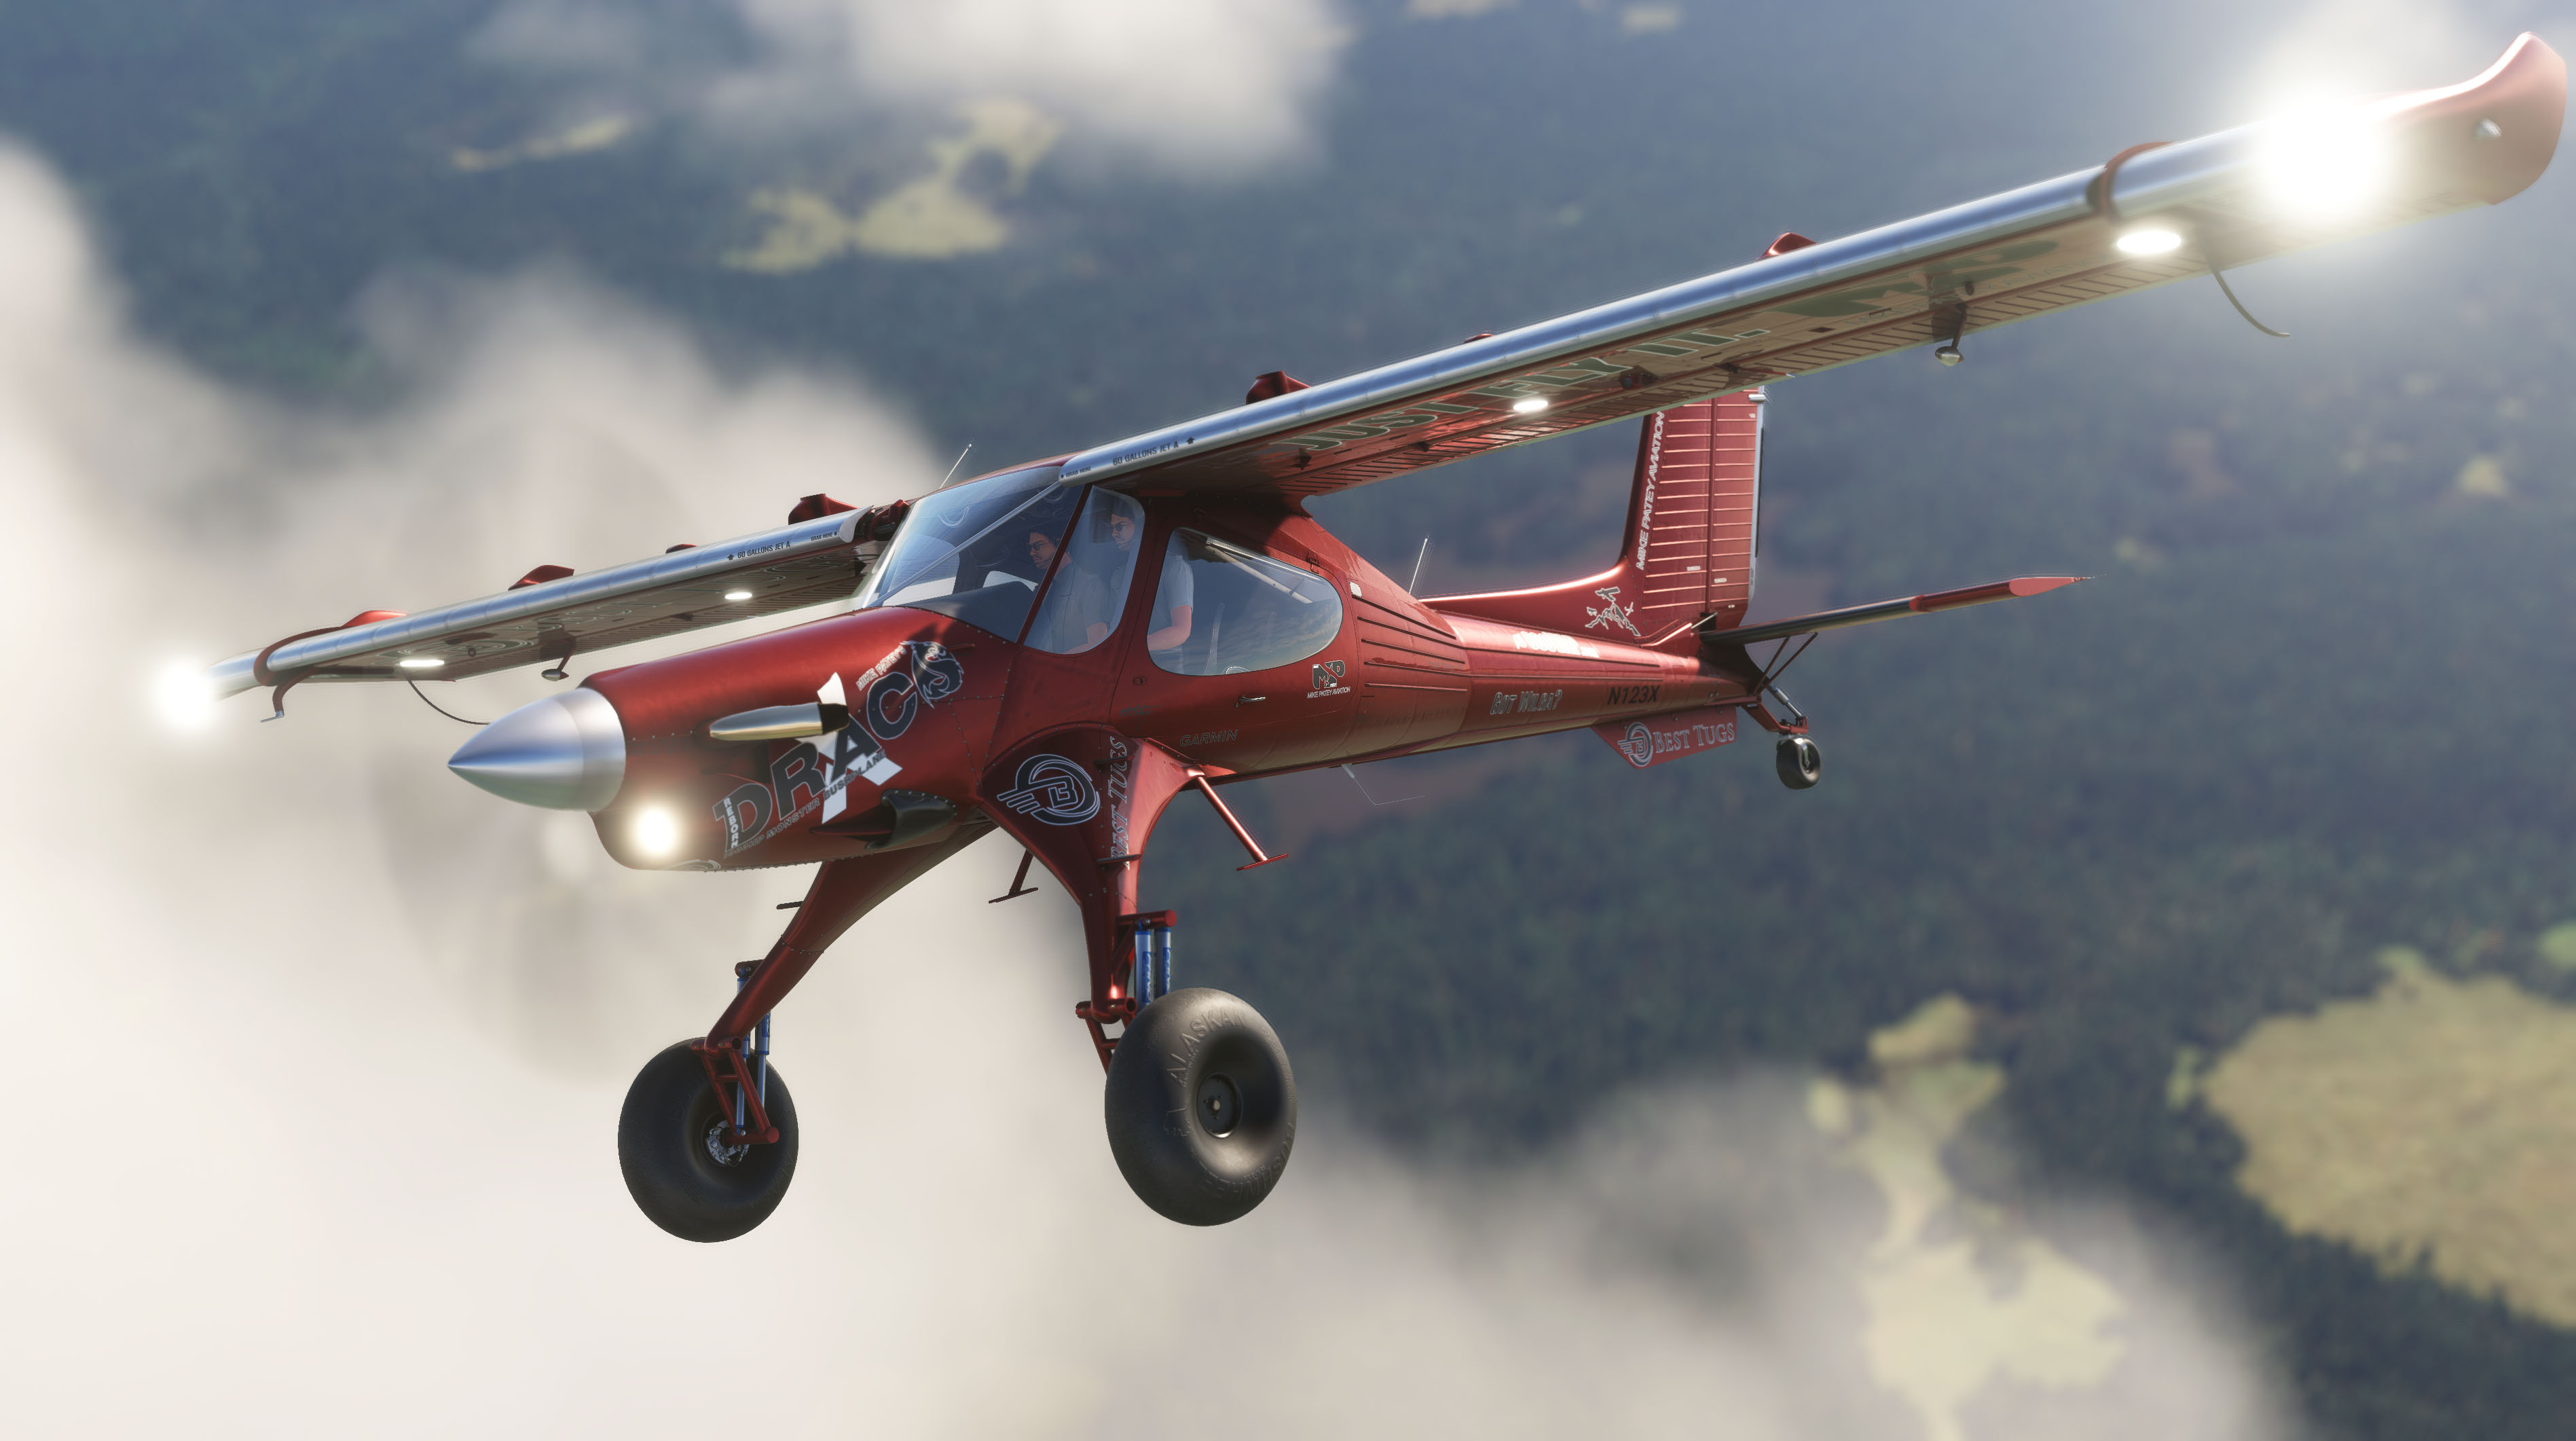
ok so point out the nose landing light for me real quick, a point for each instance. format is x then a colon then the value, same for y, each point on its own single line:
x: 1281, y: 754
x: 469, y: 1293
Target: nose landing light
x: 566, y: 753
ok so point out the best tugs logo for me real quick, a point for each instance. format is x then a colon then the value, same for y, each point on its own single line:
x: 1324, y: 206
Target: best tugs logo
x: 1644, y: 743
x: 1638, y: 745
x: 1052, y: 789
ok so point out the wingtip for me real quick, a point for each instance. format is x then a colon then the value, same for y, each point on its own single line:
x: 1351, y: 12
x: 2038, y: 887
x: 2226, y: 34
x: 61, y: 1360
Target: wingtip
x: 2041, y: 584
x: 232, y: 675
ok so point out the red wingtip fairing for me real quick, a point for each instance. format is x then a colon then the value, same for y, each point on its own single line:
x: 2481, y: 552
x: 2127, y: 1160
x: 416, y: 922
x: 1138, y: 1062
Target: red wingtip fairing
x: 2043, y: 584
x: 815, y: 507
x: 2013, y: 589
x: 1271, y: 384
x: 2493, y: 135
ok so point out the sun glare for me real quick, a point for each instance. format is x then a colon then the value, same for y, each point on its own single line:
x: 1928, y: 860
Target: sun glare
x: 2324, y: 163
x: 2149, y: 240
x: 183, y: 696
x: 656, y: 833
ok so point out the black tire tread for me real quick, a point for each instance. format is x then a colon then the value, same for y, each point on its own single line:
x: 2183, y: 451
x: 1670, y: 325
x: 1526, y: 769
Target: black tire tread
x: 661, y: 1151
x: 1170, y: 1162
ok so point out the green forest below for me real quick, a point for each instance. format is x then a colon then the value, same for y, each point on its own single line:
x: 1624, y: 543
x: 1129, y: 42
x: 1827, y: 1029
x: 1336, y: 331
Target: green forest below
x: 2312, y: 705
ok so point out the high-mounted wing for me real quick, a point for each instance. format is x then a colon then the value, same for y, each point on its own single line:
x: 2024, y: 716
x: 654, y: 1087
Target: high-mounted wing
x: 797, y: 565
x: 2210, y: 204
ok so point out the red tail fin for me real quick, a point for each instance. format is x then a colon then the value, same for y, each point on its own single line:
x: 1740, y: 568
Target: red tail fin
x: 1687, y: 551
x: 1690, y: 518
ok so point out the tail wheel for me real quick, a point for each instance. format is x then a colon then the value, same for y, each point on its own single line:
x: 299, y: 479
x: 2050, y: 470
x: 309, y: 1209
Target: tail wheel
x: 1202, y: 1108
x: 671, y: 1145
x: 1801, y: 765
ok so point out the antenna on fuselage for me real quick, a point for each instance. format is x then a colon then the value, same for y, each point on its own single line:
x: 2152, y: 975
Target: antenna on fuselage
x: 1414, y: 586
x: 1372, y: 800
x: 952, y: 466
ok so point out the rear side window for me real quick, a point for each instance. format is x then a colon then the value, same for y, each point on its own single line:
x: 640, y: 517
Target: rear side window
x: 1220, y: 609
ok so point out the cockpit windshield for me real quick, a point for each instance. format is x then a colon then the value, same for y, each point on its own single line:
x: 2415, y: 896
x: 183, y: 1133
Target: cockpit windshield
x: 978, y: 551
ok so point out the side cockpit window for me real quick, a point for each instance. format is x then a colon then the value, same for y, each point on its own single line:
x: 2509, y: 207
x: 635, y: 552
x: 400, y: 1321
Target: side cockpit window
x: 1089, y: 591
x: 1221, y: 609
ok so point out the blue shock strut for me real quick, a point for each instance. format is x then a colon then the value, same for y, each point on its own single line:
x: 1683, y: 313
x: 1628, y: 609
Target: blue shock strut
x: 1149, y: 965
x: 759, y: 1057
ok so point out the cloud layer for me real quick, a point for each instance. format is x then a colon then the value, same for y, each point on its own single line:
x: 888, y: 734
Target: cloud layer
x: 1170, y: 84
x: 321, y: 1052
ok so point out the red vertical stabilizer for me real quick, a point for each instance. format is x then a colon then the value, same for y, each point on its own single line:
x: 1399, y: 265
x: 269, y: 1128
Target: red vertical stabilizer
x: 1690, y: 518
x: 1687, y: 549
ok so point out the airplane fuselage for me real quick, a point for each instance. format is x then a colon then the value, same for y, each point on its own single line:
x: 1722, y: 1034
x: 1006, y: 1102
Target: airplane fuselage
x: 934, y: 699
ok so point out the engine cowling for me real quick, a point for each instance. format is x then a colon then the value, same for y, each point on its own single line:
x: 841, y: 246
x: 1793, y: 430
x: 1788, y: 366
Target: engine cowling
x: 774, y: 750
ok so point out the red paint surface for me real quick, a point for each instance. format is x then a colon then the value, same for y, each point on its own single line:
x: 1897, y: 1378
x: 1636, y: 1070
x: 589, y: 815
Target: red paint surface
x: 1077, y: 756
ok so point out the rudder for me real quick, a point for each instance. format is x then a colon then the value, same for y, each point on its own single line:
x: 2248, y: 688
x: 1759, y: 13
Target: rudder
x: 1690, y: 538
x: 1688, y: 548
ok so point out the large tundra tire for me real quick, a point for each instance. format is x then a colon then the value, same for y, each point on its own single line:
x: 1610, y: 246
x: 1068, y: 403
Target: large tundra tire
x: 670, y: 1144
x: 1201, y: 1106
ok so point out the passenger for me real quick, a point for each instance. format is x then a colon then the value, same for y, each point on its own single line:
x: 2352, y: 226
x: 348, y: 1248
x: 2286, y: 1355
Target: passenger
x: 1092, y: 577
x: 1169, y: 625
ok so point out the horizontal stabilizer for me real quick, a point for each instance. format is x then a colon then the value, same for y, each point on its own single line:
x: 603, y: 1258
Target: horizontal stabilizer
x: 1890, y: 609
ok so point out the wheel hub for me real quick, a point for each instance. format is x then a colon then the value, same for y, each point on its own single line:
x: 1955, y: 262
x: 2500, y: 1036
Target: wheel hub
x: 1217, y: 1106
x: 724, y: 1154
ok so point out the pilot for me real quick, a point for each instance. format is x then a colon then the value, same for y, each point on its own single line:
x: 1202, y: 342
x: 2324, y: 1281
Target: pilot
x: 1069, y: 621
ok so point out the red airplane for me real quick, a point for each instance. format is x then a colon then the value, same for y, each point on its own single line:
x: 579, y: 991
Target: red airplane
x: 1060, y: 649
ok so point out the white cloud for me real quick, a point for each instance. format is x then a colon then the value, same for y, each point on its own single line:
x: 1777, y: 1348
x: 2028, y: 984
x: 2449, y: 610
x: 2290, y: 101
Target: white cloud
x: 1175, y: 84
x: 320, y: 1051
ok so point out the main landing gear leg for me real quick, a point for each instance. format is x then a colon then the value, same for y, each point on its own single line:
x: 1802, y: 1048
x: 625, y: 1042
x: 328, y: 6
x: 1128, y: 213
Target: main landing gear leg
x: 1797, y: 759
x: 707, y: 1138
x: 1200, y: 1104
